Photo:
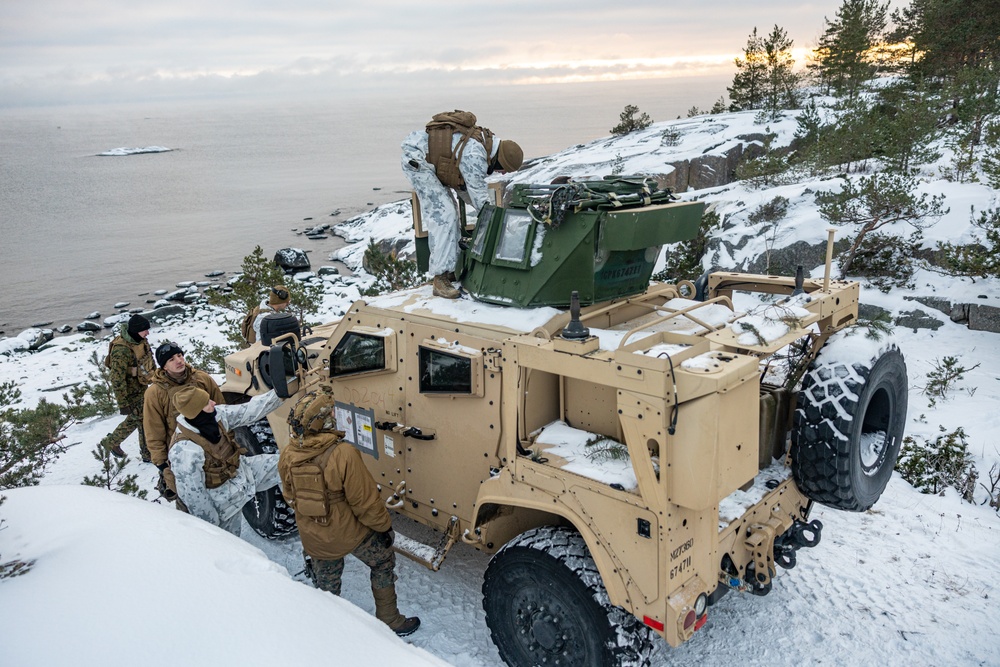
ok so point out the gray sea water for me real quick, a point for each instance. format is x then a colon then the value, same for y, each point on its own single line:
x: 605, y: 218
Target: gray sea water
x: 80, y: 232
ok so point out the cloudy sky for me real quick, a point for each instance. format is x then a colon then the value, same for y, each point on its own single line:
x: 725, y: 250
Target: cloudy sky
x: 58, y: 51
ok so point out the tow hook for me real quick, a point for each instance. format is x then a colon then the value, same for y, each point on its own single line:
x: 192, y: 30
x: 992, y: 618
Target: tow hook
x: 801, y: 534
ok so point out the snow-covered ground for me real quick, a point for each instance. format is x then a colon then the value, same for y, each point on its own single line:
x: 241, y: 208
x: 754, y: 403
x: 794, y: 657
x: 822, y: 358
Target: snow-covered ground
x: 909, y: 582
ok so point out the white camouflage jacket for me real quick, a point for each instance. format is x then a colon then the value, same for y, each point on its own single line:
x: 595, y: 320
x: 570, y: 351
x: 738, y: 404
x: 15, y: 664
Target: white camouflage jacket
x: 187, y: 461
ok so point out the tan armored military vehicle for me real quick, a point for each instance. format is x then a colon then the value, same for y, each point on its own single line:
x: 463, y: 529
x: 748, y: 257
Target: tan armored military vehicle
x: 626, y: 462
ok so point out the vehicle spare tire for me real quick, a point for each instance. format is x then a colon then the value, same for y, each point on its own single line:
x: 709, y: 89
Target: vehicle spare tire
x: 267, y: 512
x: 848, y: 423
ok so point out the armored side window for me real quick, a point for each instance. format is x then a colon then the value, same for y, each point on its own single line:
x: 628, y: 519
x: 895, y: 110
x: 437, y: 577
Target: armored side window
x: 515, y: 237
x: 358, y: 353
x: 442, y: 373
x: 482, y: 230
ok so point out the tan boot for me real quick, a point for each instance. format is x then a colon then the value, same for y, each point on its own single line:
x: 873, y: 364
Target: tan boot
x: 444, y: 288
x: 387, y: 612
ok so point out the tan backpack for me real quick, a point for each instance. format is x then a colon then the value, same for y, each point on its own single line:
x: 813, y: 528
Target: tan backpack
x: 439, y: 138
x: 246, y: 327
x: 142, y: 368
x: 312, y: 499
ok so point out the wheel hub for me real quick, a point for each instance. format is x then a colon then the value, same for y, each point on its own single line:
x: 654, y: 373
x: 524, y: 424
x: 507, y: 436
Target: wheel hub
x: 541, y: 633
x: 545, y: 632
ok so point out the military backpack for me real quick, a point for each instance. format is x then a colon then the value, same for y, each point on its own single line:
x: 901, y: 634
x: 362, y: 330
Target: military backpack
x: 312, y: 498
x: 444, y: 157
x: 246, y: 326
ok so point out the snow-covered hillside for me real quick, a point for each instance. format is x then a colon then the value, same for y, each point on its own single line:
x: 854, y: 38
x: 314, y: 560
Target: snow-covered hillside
x: 907, y: 583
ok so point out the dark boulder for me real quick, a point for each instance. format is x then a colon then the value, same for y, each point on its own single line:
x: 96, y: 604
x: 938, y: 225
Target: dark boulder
x: 292, y: 260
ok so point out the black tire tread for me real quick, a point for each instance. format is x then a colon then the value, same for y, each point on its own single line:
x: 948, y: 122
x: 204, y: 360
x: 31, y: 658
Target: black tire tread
x: 281, y: 522
x: 631, y: 644
x: 822, y: 442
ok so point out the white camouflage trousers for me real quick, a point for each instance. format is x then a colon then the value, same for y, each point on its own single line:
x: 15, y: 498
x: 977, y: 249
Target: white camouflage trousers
x: 438, y: 209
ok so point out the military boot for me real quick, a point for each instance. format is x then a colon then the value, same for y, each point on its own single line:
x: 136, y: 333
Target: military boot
x: 444, y: 288
x: 387, y: 612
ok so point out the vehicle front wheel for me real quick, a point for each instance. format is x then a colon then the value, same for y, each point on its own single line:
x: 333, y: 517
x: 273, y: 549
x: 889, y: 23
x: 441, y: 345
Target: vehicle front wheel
x: 545, y: 605
x: 267, y: 513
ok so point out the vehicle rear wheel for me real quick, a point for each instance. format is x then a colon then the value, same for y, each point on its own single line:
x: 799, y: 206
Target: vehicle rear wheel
x: 848, y: 425
x: 545, y: 605
x: 267, y: 513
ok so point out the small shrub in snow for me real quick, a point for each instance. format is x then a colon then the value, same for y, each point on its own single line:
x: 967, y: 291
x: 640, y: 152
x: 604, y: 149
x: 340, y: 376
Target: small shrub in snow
x: 618, y: 166
x: 767, y: 169
x: 931, y: 466
x: 771, y: 211
x: 941, y: 380
x: 993, y: 490
x: 111, y: 476
x: 980, y: 259
x: 887, y: 261
x: 670, y: 137
x: 95, y: 397
x: 683, y: 260
x: 391, y: 273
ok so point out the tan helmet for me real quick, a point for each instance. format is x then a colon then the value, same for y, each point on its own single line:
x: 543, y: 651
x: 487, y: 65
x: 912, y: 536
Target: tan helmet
x: 278, y: 295
x: 313, y: 413
x: 510, y: 155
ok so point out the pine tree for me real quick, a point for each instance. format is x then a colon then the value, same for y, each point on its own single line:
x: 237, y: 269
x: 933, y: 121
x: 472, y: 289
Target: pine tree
x: 30, y: 439
x: 904, y: 125
x: 259, y: 275
x: 872, y: 202
x: 782, y: 81
x: 747, y: 91
x: 765, y: 78
x: 846, y: 54
x: 630, y: 122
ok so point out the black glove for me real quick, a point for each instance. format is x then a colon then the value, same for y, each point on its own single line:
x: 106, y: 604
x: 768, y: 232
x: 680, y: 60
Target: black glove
x: 131, y: 410
x: 162, y: 466
x: 388, y: 538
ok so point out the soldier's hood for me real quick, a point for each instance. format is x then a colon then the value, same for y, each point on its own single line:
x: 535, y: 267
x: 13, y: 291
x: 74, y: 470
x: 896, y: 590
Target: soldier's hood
x: 122, y: 329
x: 302, y: 449
x: 160, y: 376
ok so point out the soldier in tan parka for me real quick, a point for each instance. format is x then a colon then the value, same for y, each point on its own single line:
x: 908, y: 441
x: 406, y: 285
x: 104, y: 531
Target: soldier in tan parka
x: 159, y: 416
x: 338, y: 508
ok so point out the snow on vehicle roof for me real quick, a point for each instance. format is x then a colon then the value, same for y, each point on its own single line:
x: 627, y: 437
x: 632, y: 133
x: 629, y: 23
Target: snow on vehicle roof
x: 466, y: 309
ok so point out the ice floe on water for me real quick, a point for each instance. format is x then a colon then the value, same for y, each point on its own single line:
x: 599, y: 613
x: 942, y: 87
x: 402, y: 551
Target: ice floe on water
x: 115, y: 152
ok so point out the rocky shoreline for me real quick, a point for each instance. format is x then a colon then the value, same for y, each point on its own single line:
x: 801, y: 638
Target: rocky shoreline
x: 162, y: 304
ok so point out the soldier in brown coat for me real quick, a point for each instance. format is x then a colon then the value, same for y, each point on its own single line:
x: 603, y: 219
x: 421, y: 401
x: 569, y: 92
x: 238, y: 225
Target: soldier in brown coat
x: 338, y: 508
x: 159, y: 416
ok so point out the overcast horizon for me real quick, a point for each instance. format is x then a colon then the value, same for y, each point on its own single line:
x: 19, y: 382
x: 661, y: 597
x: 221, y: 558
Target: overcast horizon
x: 56, y: 52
